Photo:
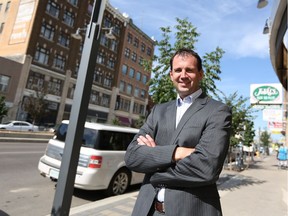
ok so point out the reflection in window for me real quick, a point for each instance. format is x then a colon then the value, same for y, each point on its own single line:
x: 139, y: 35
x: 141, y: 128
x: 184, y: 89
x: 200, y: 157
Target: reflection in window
x: 41, y: 55
x: 4, y: 83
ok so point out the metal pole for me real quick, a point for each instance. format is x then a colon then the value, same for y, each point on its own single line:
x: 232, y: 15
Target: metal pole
x: 65, y: 184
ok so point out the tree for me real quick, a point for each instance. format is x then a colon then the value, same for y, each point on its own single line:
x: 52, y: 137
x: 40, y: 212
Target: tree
x: 242, y: 119
x: 36, y: 105
x: 3, y: 108
x: 161, y: 87
x: 265, y: 140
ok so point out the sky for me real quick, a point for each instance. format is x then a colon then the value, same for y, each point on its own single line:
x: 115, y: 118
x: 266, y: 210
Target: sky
x: 234, y: 26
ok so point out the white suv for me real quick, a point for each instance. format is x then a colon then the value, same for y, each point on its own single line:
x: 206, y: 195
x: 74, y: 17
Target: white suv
x: 101, y: 161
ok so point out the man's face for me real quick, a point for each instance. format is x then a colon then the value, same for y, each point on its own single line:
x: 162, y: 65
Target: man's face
x: 185, y: 75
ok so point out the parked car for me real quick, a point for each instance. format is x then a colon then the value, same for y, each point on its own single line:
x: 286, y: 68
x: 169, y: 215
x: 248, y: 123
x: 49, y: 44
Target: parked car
x: 101, y: 163
x: 18, y: 126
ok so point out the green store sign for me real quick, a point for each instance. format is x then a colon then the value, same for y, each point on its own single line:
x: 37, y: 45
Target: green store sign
x: 266, y: 93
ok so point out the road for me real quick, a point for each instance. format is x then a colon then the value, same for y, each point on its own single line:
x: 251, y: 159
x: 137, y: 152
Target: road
x: 23, y: 190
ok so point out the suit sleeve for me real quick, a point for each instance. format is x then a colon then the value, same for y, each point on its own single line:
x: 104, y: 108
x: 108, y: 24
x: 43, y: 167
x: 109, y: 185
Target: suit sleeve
x: 202, y: 167
x: 144, y: 159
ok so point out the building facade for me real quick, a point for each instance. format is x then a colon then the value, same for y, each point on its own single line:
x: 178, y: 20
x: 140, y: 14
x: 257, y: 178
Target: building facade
x: 36, y: 38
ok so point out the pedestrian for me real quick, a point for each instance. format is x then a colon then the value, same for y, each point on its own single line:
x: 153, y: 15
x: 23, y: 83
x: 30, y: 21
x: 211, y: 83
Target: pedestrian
x: 181, y: 147
x: 282, y: 157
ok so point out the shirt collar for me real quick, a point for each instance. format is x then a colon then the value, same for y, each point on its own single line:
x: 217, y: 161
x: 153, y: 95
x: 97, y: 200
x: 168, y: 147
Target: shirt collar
x: 188, y: 99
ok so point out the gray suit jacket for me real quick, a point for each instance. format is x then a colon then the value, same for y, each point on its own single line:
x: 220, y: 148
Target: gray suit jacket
x: 191, y: 182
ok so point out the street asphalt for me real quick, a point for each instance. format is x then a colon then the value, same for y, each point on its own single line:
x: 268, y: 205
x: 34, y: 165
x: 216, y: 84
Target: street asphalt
x: 259, y: 190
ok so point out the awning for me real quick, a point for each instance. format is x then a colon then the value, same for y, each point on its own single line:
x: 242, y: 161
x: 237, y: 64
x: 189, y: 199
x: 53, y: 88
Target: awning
x: 124, y: 120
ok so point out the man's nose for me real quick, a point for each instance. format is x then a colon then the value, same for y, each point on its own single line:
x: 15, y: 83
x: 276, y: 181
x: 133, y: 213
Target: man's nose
x: 183, y: 73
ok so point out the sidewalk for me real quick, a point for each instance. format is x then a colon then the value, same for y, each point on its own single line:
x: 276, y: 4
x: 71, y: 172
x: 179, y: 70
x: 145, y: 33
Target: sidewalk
x: 260, y: 190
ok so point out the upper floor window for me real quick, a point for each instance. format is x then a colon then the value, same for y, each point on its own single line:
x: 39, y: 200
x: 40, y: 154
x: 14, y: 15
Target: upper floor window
x: 68, y: 18
x: 149, y: 51
x: 64, y: 39
x: 101, y: 58
x: 129, y: 89
x: 73, y: 2
x: 8, y: 6
x: 107, y: 22
x: 107, y: 80
x: 134, y: 57
x: 130, y: 38
x: 53, y: 9
x: 117, y: 30
x: 55, y: 86
x: 114, y: 45
x: 4, y: 83
x: 127, y: 52
x: 104, y: 40
x: 136, y: 42
x: 42, y: 55
x: 144, y: 79
x: 122, y: 86
x: 59, y: 62
x: 131, y: 72
x: 138, y: 76
x: 35, y: 81
x: 1, y: 27
x: 124, y: 69
x: 47, y: 31
x: 143, y: 47
x: 111, y: 63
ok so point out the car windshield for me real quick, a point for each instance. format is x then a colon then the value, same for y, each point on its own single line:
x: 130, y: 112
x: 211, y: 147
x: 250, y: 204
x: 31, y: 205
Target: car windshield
x: 89, y: 136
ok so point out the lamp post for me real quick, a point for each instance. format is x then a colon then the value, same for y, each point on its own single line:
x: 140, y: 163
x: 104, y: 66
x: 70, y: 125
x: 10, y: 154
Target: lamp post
x: 69, y: 162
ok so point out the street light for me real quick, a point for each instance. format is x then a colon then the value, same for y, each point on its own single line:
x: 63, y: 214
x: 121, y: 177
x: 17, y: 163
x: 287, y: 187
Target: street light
x: 262, y: 4
x: 108, y: 34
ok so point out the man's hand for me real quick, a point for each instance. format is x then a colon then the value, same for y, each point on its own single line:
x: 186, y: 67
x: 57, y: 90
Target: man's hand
x: 182, y: 152
x: 146, y: 140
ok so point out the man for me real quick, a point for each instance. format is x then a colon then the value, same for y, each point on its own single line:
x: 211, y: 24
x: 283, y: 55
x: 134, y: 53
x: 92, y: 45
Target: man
x: 181, y: 147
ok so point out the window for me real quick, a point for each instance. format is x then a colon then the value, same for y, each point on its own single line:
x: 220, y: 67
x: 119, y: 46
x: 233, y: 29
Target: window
x: 41, y: 55
x: 143, y: 47
x: 98, y: 76
x: 73, y: 2
x: 104, y: 40
x: 124, y: 69
x: 136, y: 42
x: 107, y: 22
x: 141, y: 61
x: 138, y: 109
x: 138, y: 76
x: 131, y: 72
x: 4, y: 83
x: 124, y: 105
x: 53, y: 9
x: 117, y: 30
x: 134, y: 57
x: 111, y: 63
x: 47, y: 31
x: 136, y: 92
x: 101, y: 58
x: 149, y: 52
x: 130, y: 38
x: 71, y: 91
x: 129, y: 89
x: 107, y: 80
x: 122, y: 86
x: 94, y: 97
x: 1, y: 27
x: 59, y: 62
x: 68, y: 18
x: 114, y: 45
x: 35, y: 81
x: 144, y: 79
x: 64, y: 39
x: 55, y: 86
x: 105, y: 100
x: 7, y: 6
x: 143, y: 94
x: 127, y: 52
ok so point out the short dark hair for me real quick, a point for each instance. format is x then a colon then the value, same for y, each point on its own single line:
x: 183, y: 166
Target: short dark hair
x: 186, y: 51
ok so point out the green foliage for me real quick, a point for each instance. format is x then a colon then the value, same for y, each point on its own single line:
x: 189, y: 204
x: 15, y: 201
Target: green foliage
x: 265, y: 140
x: 186, y: 35
x: 3, y: 108
x: 115, y: 121
x: 242, y: 119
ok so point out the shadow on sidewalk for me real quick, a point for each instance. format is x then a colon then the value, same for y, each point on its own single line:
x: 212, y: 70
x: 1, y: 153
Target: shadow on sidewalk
x: 231, y: 179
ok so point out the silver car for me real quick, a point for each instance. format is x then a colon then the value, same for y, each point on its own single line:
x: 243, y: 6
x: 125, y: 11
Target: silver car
x: 18, y: 126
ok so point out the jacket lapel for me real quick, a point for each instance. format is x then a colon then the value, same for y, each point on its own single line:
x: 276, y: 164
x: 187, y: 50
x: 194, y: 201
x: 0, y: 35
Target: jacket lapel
x: 198, y: 104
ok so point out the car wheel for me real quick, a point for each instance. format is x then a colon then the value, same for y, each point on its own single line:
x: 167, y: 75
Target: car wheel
x: 119, y: 183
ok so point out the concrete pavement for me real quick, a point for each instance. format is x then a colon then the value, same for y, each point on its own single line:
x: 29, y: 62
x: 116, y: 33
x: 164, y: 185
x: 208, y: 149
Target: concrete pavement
x: 259, y: 190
